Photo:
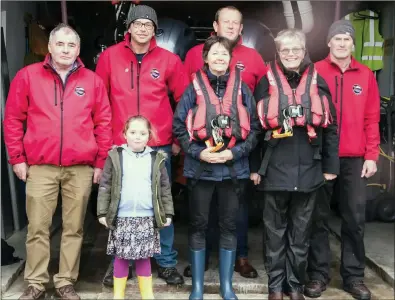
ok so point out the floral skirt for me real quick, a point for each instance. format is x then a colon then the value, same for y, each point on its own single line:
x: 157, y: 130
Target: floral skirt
x: 134, y: 238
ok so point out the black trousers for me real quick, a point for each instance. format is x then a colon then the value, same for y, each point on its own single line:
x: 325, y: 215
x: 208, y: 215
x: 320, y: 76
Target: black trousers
x: 350, y: 191
x: 200, y: 197
x: 287, y: 218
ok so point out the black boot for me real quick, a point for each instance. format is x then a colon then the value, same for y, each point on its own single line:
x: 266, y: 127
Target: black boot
x: 197, y: 267
x: 108, y: 279
x: 226, y: 267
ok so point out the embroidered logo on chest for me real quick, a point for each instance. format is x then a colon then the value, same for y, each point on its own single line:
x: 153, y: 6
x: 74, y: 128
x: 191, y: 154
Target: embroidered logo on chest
x: 240, y: 66
x: 357, y: 89
x: 155, y: 73
x: 79, y: 91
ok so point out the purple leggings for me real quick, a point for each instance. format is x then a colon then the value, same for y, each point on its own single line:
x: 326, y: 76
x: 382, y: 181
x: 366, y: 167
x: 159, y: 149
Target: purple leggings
x: 121, y: 267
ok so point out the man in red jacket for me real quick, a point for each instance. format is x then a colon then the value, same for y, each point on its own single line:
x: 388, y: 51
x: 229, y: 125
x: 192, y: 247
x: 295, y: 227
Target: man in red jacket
x: 229, y: 23
x: 68, y: 117
x: 356, y: 98
x: 138, y: 75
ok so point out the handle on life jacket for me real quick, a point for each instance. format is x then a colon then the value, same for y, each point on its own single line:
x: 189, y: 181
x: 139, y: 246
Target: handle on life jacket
x: 277, y: 135
x: 216, y: 148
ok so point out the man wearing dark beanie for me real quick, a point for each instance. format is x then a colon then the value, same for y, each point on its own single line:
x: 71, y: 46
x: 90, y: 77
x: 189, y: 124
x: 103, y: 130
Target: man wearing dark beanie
x: 356, y: 97
x: 138, y: 75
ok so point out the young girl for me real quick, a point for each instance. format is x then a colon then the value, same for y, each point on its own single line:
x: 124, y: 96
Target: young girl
x: 134, y: 201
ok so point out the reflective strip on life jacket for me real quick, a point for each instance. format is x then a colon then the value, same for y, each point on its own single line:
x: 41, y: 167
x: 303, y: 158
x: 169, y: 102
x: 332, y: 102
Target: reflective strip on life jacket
x: 209, y: 106
x: 273, y: 109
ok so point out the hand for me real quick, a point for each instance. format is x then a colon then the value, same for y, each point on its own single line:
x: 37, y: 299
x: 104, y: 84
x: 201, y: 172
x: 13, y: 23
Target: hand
x: 168, y: 222
x: 369, y: 168
x: 329, y: 176
x: 175, y: 149
x: 97, y: 175
x: 103, y: 221
x: 226, y: 155
x: 256, y: 178
x: 207, y: 156
x: 21, y: 170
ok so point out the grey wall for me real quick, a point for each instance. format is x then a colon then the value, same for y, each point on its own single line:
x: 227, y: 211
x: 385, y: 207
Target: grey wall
x: 14, y: 12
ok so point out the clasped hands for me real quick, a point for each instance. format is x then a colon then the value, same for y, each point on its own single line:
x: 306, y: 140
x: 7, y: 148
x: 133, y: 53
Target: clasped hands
x: 216, y: 157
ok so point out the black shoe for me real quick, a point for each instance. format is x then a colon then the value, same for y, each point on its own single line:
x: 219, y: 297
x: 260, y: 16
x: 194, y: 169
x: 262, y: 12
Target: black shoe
x: 314, y: 288
x: 170, y: 275
x: 108, y: 279
x: 358, y: 290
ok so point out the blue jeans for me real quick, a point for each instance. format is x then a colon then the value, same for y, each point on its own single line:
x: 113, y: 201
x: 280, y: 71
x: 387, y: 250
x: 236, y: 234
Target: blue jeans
x: 168, y: 256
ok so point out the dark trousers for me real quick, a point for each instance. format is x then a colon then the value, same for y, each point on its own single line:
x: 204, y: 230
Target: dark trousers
x: 287, y: 218
x: 212, y: 233
x: 200, y: 197
x: 351, y: 198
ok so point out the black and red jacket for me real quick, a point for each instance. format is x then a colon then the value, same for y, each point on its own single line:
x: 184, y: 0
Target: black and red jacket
x: 356, y: 97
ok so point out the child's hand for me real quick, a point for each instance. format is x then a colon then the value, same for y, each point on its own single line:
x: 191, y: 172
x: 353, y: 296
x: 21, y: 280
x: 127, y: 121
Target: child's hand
x: 168, y: 222
x: 103, y: 221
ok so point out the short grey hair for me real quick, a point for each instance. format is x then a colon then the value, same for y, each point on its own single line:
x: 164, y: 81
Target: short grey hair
x: 287, y: 35
x: 63, y: 26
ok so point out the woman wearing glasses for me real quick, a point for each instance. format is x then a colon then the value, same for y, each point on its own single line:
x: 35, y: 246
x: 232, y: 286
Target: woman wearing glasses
x: 300, y: 152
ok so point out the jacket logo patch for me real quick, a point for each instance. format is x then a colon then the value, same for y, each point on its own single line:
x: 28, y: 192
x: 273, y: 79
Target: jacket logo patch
x: 240, y: 65
x: 155, y: 74
x: 79, y: 91
x: 357, y: 89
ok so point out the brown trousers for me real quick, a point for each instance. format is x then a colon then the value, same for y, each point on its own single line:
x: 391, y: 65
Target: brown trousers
x: 42, y: 190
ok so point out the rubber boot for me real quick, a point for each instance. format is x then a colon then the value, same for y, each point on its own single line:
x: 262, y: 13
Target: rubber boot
x: 197, y: 260
x: 145, y: 286
x: 226, y: 268
x: 119, y: 287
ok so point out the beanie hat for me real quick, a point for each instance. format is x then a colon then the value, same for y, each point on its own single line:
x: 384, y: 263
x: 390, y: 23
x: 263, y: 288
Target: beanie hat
x: 142, y: 12
x: 341, y: 27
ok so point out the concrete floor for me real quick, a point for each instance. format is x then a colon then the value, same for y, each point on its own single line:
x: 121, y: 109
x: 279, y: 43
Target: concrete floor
x: 94, y: 263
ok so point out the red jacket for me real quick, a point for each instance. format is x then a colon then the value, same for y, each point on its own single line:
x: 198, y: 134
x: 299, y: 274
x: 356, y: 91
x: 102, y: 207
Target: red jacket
x: 356, y: 97
x: 66, y: 126
x: 247, y: 58
x: 143, y: 89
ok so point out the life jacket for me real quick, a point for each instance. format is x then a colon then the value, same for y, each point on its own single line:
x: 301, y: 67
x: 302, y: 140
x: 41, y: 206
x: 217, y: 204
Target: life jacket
x: 209, y: 106
x: 302, y: 107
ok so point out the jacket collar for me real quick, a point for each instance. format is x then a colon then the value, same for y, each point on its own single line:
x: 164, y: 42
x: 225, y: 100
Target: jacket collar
x: 353, y: 64
x: 214, y: 80
x: 147, y: 150
x: 126, y: 42
x: 48, y: 63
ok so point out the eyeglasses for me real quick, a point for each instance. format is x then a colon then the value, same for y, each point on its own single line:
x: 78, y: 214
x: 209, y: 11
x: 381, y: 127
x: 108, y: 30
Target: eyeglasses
x: 286, y: 51
x: 148, y: 26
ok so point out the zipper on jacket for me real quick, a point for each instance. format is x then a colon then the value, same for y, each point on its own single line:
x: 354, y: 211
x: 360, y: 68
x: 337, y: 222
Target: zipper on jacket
x: 138, y: 87
x: 294, y: 96
x: 56, y: 92
x: 341, y: 105
x: 131, y: 75
x: 336, y: 87
x: 219, y: 98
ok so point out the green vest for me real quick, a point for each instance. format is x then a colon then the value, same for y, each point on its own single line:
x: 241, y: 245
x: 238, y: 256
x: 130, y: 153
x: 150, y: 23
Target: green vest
x: 368, y: 41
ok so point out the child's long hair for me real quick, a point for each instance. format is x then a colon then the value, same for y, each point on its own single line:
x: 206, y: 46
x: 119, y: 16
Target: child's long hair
x: 152, y: 135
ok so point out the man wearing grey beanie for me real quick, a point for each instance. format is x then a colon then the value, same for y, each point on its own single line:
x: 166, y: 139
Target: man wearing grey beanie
x: 356, y: 97
x: 138, y: 75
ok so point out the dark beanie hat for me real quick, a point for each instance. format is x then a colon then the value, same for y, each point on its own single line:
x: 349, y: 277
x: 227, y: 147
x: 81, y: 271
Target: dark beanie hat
x: 341, y: 27
x: 142, y: 12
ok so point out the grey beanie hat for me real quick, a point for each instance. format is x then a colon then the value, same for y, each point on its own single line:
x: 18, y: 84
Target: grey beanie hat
x: 142, y: 12
x: 341, y: 27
